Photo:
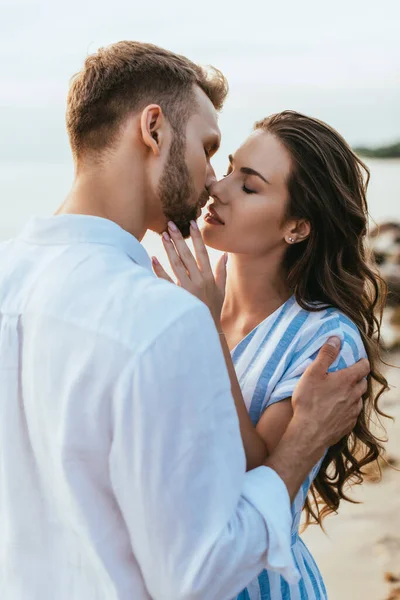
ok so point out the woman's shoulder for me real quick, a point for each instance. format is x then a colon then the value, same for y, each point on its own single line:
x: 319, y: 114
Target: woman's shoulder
x: 323, y: 322
x: 302, y: 345
x: 320, y: 313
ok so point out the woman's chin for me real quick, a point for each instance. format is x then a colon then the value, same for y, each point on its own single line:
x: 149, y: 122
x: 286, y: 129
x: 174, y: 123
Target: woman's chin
x: 212, y: 237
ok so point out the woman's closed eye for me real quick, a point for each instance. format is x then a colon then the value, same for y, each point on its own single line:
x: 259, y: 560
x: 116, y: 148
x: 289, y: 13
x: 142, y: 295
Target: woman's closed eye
x: 248, y: 190
x: 245, y: 189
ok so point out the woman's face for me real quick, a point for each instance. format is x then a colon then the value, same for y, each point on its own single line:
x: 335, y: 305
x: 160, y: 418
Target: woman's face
x: 251, y: 200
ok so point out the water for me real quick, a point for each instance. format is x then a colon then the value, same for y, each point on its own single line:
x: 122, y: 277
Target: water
x: 38, y: 189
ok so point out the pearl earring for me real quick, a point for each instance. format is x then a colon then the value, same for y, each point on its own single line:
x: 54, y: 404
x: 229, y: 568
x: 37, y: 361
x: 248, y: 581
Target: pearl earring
x: 291, y: 239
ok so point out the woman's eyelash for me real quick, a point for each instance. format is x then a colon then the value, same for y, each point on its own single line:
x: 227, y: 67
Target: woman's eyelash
x: 244, y: 188
x: 247, y: 190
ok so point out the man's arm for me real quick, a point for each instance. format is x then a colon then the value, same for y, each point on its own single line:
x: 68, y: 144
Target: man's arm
x: 200, y: 527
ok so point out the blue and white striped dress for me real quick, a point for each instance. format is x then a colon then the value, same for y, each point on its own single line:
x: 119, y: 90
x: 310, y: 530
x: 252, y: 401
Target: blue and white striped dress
x: 269, y: 362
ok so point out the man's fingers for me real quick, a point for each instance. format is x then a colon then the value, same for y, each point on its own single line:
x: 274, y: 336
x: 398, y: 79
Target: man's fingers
x: 327, y: 355
x: 359, y: 370
x: 359, y: 406
x: 159, y: 271
x: 356, y: 410
x: 360, y: 389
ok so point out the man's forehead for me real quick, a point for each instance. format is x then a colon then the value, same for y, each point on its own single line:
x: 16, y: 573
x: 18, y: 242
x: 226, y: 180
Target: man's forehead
x: 207, y: 113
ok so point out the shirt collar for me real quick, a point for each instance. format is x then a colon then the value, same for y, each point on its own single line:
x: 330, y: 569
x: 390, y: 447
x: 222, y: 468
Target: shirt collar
x: 67, y: 229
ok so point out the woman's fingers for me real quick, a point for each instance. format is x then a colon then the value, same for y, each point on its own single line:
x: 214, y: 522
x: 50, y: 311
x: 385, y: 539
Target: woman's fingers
x: 220, y: 273
x: 184, y: 253
x: 159, y: 271
x: 175, y: 261
x: 200, y: 250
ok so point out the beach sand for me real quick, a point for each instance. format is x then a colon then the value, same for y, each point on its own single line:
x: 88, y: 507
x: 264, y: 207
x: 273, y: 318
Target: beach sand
x: 360, y: 555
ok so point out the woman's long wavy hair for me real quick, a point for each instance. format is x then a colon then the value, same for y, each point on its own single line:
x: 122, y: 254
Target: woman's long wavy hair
x: 327, y: 186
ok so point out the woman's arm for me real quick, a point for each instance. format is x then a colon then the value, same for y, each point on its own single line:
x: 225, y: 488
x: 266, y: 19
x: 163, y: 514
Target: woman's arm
x: 259, y: 441
x: 255, y: 446
x: 274, y: 422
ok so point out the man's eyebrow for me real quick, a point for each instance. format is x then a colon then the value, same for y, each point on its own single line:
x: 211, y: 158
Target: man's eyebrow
x: 248, y: 170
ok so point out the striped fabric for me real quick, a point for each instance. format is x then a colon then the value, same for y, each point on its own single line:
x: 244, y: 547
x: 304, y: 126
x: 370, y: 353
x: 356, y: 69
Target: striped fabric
x: 269, y: 362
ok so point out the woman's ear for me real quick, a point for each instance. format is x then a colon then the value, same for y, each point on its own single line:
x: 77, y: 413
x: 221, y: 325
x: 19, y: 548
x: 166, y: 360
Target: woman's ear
x: 303, y: 230
x: 297, y: 231
x: 152, y: 125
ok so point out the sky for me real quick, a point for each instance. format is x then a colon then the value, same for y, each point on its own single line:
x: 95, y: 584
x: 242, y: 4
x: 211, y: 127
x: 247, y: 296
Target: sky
x: 338, y: 61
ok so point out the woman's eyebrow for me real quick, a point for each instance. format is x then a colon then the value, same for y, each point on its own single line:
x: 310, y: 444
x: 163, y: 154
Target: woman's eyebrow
x: 248, y: 170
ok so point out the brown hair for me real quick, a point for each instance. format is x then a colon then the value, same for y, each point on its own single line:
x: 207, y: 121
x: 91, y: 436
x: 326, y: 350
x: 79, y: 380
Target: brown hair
x: 327, y: 186
x: 124, y: 78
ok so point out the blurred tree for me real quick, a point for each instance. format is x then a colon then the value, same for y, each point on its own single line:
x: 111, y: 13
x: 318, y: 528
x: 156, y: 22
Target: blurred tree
x: 390, y: 151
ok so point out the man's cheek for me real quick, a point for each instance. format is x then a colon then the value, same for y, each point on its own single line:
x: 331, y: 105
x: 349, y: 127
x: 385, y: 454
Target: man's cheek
x: 199, y: 180
x: 203, y: 176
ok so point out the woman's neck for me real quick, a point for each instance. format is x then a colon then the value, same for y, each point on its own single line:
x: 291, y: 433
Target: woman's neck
x: 256, y: 287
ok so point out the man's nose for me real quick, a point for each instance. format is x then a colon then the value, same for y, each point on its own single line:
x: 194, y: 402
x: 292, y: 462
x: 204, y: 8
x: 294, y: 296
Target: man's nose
x: 210, y: 178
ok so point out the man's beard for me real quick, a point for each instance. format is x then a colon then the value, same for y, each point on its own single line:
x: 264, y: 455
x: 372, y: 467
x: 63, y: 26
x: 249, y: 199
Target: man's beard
x: 176, y: 189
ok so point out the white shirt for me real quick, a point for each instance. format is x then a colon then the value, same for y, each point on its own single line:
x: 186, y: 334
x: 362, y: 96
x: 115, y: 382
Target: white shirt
x: 122, y: 472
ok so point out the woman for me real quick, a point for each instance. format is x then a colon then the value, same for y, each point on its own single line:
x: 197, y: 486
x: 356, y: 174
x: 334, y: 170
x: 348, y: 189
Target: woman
x: 292, y: 214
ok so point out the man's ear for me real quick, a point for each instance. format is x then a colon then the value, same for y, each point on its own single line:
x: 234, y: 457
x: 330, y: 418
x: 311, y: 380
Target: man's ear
x: 152, y: 123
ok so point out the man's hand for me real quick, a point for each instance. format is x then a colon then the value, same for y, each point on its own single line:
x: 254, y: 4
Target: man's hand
x: 329, y: 403
x: 325, y: 408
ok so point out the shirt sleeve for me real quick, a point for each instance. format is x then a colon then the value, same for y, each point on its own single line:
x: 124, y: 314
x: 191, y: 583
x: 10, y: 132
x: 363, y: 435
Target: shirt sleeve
x: 311, y: 340
x: 200, y: 527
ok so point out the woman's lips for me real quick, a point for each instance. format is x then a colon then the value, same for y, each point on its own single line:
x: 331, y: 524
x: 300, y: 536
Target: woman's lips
x: 213, y: 217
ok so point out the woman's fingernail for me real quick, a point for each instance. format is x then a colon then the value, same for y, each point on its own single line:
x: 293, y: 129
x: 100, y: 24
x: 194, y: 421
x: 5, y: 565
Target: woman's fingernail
x: 172, y: 226
x: 194, y: 225
x: 166, y: 236
x: 155, y: 261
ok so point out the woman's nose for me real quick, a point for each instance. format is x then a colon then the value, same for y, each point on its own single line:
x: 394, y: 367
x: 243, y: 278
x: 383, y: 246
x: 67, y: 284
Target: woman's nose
x: 215, y: 190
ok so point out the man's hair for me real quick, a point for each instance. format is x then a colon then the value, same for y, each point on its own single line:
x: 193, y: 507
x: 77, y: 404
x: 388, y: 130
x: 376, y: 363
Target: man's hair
x: 122, y: 79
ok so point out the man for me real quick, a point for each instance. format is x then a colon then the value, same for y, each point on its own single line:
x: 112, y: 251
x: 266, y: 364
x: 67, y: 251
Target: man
x: 123, y: 472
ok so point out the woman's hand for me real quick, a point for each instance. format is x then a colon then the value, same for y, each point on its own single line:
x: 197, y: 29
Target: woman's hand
x: 194, y: 274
